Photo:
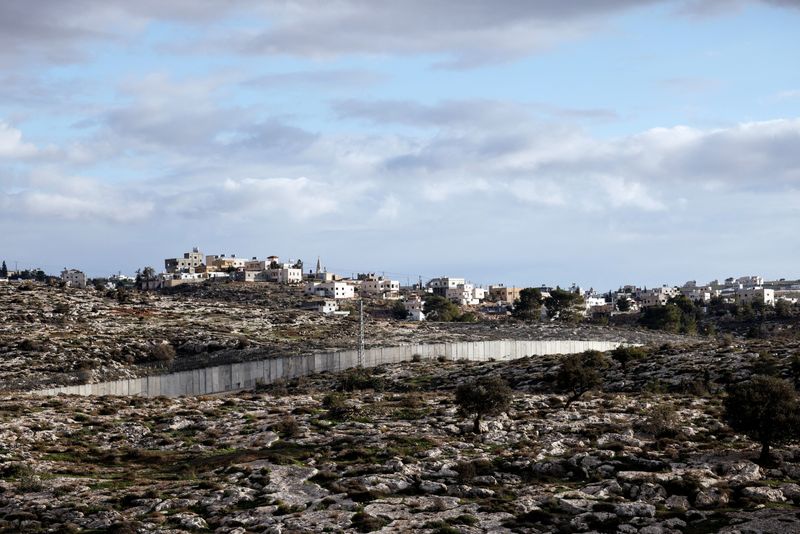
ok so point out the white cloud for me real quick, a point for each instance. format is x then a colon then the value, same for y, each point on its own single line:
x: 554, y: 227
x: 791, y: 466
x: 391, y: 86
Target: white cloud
x: 12, y: 145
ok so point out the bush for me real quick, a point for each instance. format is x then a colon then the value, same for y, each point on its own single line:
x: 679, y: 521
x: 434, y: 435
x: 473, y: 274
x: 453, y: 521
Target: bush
x: 623, y: 355
x: 287, y: 427
x: 766, y: 364
x: 484, y: 397
x: 580, y: 373
x: 364, y: 522
x: 661, y: 421
x: 163, y: 352
x: 466, y: 471
x: 359, y: 378
x: 27, y: 480
x: 337, y: 406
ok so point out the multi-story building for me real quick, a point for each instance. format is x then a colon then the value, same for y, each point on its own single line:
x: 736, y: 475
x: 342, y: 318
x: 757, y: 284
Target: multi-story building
x: 440, y: 286
x: 73, y: 278
x: 331, y: 290
x: 256, y: 265
x: 379, y: 287
x: 656, y: 297
x: 285, y: 275
x: 223, y: 263
x: 187, y: 264
x: 415, y: 307
x: 501, y: 293
x: 755, y: 294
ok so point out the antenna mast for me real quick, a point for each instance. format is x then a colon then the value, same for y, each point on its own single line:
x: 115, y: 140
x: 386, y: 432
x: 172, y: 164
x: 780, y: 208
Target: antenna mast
x: 361, y: 333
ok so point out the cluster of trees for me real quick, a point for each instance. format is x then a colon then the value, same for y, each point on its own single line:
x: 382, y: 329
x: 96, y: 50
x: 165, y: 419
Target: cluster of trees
x: 438, y: 308
x: 560, y: 304
x: 4, y: 270
x: 679, y: 315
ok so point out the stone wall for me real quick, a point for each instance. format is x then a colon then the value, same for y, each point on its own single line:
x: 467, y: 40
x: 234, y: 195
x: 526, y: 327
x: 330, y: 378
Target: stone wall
x: 247, y: 375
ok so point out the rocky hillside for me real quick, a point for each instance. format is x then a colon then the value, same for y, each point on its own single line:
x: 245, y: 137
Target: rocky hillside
x: 391, y: 453
x: 57, y: 336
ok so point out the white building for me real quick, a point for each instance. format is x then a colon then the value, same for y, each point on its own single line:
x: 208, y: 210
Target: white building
x: 328, y: 307
x: 594, y: 301
x: 440, y: 286
x: 380, y: 287
x: 73, y: 278
x: 415, y: 306
x: 285, y: 275
x: 332, y: 290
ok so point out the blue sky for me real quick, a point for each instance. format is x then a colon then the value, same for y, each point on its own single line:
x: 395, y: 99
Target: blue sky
x: 527, y: 142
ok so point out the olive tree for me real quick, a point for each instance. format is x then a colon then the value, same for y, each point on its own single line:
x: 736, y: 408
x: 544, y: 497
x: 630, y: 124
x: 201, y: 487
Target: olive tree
x: 579, y: 373
x: 766, y: 409
x: 486, y: 396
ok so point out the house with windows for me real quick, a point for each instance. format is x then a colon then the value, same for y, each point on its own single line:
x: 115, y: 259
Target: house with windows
x: 73, y: 278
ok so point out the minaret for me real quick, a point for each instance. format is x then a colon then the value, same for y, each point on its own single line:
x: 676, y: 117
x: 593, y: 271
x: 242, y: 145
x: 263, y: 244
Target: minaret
x: 318, y: 265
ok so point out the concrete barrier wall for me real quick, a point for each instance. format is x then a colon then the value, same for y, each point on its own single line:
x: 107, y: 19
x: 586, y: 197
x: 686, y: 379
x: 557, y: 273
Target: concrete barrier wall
x: 247, y: 375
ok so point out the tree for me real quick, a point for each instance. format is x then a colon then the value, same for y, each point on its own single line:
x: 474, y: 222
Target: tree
x: 399, y: 311
x: 438, y: 308
x: 667, y: 318
x: 766, y: 409
x: 783, y: 308
x: 487, y: 396
x: 144, y: 276
x: 529, y: 304
x: 623, y: 304
x: 4, y: 270
x: 580, y: 373
x: 562, y: 304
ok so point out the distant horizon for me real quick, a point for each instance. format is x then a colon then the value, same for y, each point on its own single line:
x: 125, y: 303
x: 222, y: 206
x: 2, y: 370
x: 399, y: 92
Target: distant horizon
x: 600, y: 143
x: 309, y: 265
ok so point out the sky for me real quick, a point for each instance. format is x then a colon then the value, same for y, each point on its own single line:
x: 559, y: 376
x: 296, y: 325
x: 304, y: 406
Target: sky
x: 523, y: 142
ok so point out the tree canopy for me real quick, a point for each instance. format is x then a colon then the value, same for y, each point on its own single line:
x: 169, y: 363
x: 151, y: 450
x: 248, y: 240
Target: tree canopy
x: 563, y: 304
x: 438, y: 308
x: 486, y: 396
x: 580, y: 373
x: 766, y: 409
x: 529, y: 304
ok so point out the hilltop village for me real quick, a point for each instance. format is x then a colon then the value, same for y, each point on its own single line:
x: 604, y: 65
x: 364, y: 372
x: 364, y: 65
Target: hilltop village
x: 330, y: 291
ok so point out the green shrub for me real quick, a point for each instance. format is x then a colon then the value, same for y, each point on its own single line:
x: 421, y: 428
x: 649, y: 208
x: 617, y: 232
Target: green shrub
x: 661, y: 421
x: 360, y: 378
x: 624, y: 355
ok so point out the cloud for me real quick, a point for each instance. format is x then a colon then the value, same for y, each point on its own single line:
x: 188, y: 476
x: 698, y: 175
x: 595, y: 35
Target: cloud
x: 322, y: 79
x: 690, y: 84
x: 12, y: 145
x: 461, y: 34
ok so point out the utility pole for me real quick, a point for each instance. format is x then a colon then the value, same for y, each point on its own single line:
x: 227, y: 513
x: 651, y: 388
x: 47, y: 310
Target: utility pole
x: 361, y: 333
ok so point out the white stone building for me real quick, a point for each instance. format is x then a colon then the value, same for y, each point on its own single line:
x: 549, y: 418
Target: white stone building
x: 331, y: 290
x: 380, y: 287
